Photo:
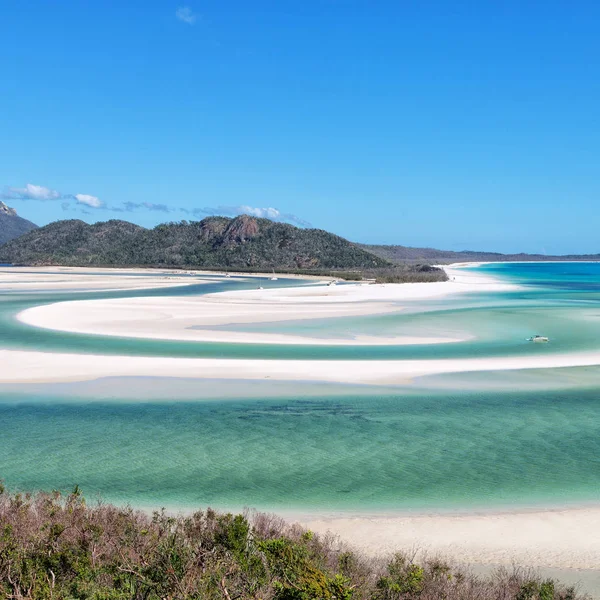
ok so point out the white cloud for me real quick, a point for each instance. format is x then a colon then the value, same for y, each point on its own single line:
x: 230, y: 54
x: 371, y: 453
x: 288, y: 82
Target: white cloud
x: 88, y: 200
x: 41, y: 193
x: 185, y: 14
x: 131, y: 206
x: 264, y: 213
x: 30, y: 192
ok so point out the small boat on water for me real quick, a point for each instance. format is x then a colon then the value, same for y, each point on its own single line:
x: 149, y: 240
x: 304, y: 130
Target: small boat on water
x: 538, y: 338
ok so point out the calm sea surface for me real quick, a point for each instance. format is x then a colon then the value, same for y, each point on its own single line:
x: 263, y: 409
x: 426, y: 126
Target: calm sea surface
x: 446, y: 442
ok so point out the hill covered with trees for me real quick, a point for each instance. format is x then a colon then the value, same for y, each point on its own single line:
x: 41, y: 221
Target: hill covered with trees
x: 11, y: 225
x: 58, y: 548
x: 244, y: 242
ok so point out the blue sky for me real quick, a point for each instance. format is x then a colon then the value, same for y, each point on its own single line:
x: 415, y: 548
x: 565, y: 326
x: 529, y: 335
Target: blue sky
x: 448, y: 124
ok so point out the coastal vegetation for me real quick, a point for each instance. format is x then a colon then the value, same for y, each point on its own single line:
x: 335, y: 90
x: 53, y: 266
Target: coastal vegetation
x: 215, y: 242
x: 59, y: 547
x: 244, y: 243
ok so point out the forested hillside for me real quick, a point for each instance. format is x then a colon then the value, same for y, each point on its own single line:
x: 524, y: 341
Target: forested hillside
x: 215, y: 242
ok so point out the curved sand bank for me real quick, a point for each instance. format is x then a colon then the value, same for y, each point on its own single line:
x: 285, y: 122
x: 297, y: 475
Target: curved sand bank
x: 191, y: 318
x: 561, y: 538
x: 31, y: 367
x: 49, y: 279
x: 175, y: 318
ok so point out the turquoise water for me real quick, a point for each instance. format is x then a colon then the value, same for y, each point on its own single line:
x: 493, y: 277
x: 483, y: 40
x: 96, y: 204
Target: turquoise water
x: 454, y: 441
x: 383, y: 453
x: 572, y: 276
x: 495, y: 325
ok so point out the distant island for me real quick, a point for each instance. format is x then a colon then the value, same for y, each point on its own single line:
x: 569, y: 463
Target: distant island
x: 397, y: 254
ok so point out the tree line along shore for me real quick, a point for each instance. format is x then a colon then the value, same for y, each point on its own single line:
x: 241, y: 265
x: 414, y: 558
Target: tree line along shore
x: 243, y: 244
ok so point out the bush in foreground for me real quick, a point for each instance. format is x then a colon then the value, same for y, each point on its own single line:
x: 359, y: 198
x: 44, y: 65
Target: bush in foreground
x: 55, y: 547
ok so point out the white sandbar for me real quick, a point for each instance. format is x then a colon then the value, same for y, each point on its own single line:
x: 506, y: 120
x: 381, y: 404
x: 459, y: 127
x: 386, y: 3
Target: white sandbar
x: 190, y: 318
x: 29, y: 367
x: 48, y: 279
x: 172, y: 317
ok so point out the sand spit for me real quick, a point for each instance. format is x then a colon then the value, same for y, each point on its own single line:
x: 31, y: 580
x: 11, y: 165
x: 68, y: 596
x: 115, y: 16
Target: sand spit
x: 191, y: 318
x: 29, y: 367
x: 50, y: 279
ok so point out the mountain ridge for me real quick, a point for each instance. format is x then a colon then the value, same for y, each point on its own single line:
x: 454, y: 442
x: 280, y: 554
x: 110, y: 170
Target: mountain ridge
x: 215, y: 242
x: 12, y: 225
x: 401, y: 254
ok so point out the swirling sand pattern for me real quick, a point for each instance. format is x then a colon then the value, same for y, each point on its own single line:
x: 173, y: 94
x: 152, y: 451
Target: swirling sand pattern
x: 523, y: 439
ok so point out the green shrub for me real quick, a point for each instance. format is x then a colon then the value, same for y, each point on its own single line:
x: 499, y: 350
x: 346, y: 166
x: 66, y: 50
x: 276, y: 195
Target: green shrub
x: 58, y: 548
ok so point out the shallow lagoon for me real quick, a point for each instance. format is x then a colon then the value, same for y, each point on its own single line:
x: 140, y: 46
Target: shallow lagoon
x: 376, y: 452
x: 444, y: 442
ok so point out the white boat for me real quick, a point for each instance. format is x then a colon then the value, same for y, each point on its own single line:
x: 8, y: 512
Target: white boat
x: 538, y: 338
x: 274, y: 277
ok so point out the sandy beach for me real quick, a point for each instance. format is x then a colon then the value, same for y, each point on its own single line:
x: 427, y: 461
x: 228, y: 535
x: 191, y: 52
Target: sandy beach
x: 557, y: 543
x: 567, y: 538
